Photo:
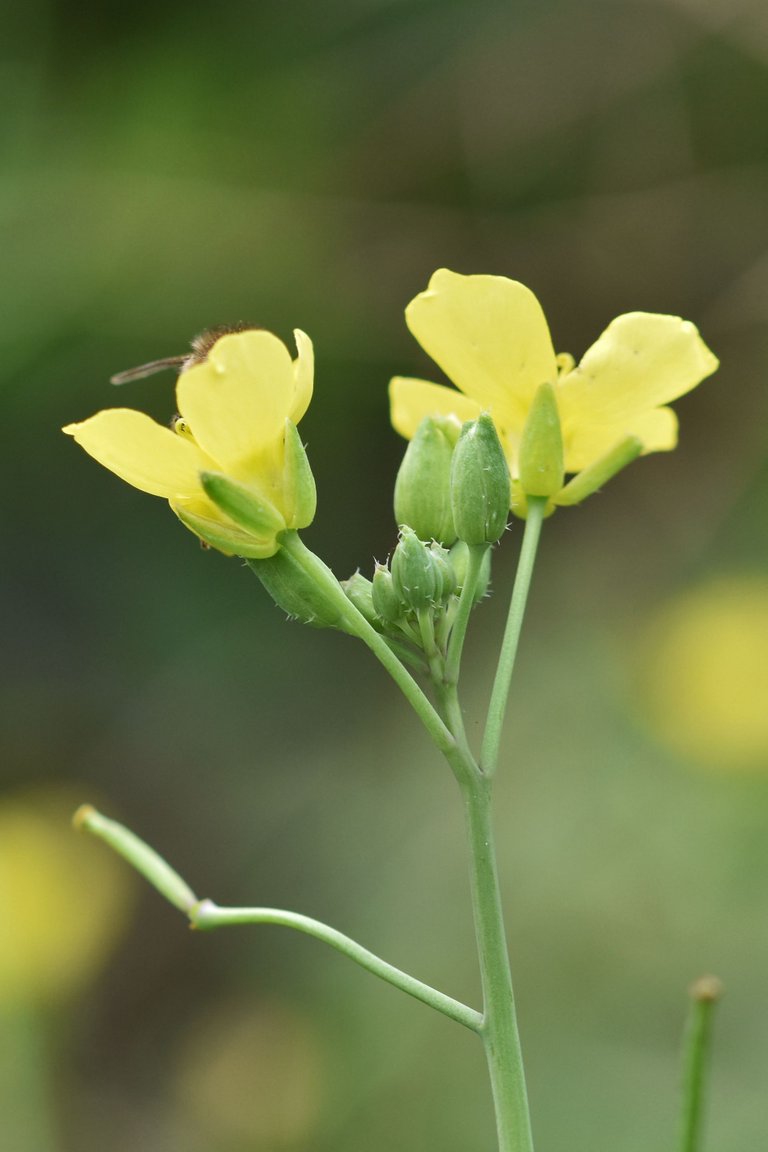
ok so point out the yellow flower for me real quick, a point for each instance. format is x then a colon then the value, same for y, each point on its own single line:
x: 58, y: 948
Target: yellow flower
x: 64, y: 902
x: 490, y: 337
x: 235, y: 435
x: 704, y: 673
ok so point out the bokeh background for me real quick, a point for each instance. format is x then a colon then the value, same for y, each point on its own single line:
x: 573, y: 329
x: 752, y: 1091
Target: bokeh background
x: 167, y: 168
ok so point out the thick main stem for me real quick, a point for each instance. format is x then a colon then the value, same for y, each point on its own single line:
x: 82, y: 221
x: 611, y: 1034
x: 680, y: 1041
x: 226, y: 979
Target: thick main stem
x: 499, y: 1029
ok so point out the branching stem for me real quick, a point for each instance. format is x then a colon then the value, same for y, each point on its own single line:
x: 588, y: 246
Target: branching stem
x: 204, y: 914
x: 207, y: 915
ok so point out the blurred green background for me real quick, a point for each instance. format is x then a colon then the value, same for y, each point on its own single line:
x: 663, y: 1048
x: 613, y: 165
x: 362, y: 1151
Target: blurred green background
x: 310, y: 164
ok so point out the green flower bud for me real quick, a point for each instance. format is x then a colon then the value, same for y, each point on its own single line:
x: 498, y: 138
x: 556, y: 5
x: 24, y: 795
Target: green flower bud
x: 386, y: 602
x: 245, y: 506
x: 459, y: 557
x: 600, y: 472
x: 414, y: 572
x: 541, y: 446
x: 479, y: 483
x: 446, y: 577
x: 360, y: 591
x: 299, y: 492
x: 423, y: 484
x: 297, y: 592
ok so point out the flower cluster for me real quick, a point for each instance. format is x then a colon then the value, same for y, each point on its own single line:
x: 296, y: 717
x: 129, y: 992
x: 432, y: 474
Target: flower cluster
x: 234, y: 470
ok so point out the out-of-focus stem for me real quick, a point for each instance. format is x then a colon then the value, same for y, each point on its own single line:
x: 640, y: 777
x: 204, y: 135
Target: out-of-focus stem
x: 705, y: 993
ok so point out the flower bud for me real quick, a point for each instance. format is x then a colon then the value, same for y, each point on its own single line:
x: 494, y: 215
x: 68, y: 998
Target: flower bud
x: 600, y: 472
x: 414, y: 572
x: 423, y: 484
x: 299, y: 492
x: 386, y: 602
x: 360, y: 591
x: 479, y: 483
x: 541, y: 446
x: 446, y: 577
x: 294, y: 589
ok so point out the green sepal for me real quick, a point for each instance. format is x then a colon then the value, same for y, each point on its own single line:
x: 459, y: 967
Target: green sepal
x: 386, y: 602
x: 229, y: 539
x: 519, y: 502
x: 599, y: 473
x: 244, y: 505
x: 541, y: 446
x: 414, y: 575
x: 299, y: 491
x: 423, y: 484
x: 295, y: 591
x: 359, y: 590
x: 446, y: 577
x: 479, y: 483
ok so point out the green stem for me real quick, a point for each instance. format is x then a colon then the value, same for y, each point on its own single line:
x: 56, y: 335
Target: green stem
x: 489, y: 756
x: 208, y: 915
x: 466, y: 603
x: 205, y: 914
x: 357, y: 625
x: 499, y: 1029
x: 447, y: 686
x: 696, y: 1046
x: 429, y: 644
x: 405, y: 654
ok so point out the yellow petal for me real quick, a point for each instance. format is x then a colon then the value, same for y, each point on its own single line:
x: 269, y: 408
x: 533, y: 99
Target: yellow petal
x: 141, y: 452
x: 237, y: 400
x: 657, y: 430
x: 303, y: 373
x: 489, y: 336
x: 412, y: 400
x: 642, y: 360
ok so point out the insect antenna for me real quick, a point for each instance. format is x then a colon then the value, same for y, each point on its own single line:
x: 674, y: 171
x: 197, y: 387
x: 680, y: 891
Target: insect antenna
x: 201, y: 346
x: 148, y: 369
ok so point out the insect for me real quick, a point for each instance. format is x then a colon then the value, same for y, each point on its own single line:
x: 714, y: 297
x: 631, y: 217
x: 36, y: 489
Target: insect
x: 201, y: 346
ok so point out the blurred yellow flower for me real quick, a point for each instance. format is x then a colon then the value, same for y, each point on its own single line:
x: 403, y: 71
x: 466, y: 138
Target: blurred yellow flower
x: 236, y: 412
x: 64, y: 901
x: 252, y: 1077
x: 705, y: 673
x: 490, y: 337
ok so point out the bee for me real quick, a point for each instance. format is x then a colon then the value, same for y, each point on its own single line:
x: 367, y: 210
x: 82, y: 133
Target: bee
x: 201, y: 346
